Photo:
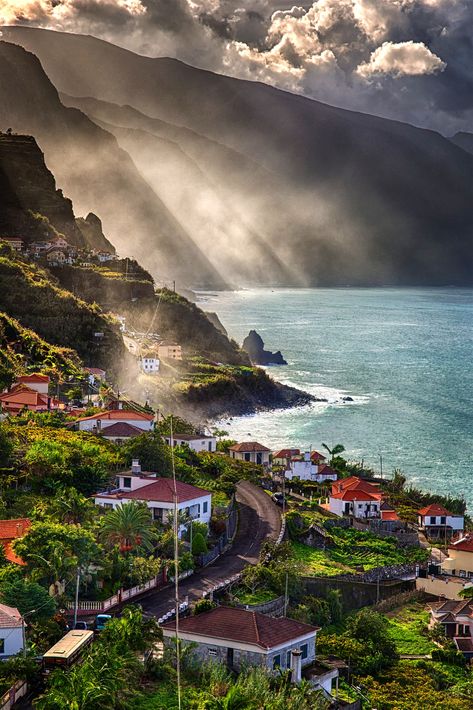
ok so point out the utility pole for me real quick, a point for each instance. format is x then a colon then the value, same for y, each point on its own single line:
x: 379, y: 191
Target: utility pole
x: 76, y: 600
x: 286, y: 599
x: 381, y: 464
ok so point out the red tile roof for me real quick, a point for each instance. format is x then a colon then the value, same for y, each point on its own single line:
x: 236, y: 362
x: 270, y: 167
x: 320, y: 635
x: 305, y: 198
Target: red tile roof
x: 286, y: 453
x: 434, y: 509
x: 121, y: 429
x: 389, y: 515
x: 118, y: 414
x: 317, y: 456
x: 9, y: 531
x: 35, y: 377
x: 240, y: 625
x: 248, y: 446
x: 10, y: 617
x: 326, y: 470
x: 464, y: 544
x: 354, y: 488
x: 162, y: 490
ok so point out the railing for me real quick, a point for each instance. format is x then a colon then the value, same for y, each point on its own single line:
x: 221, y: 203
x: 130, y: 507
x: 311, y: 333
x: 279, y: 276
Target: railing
x: 122, y: 595
x: 13, y: 694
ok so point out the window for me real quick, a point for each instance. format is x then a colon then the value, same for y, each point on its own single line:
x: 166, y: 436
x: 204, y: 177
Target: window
x: 205, y: 507
x: 432, y: 519
x: 247, y: 456
x: 127, y: 482
x: 2, y: 645
x: 443, y: 520
x: 276, y: 662
x: 108, y: 505
x: 210, y: 446
x: 259, y: 458
x: 288, y: 659
x: 304, y: 651
x: 212, y: 652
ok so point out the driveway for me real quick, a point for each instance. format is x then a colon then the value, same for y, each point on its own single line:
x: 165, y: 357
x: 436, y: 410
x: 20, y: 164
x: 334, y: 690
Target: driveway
x: 259, y: 520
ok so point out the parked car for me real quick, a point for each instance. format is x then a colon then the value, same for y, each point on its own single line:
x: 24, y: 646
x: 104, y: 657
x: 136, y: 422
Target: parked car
x: 278, y: 498
x: 100, y: 621
x: 82, y: 625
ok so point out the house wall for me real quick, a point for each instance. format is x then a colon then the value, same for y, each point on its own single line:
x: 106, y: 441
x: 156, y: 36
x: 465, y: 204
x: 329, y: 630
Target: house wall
x: 251, y: 456
x: 89, y: 424
x: 204, y: 444
x: 337, y: 506
x: 13, y: 641
x: 41, y: 387
x: 305, y: 470
x: 448, y: 587
x: 460, y: 561
x: 456, y: 522
x: 195, y: 506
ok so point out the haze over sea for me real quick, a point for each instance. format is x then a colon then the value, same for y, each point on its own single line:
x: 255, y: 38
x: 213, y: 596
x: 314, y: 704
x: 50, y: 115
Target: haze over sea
x: 403, y: 355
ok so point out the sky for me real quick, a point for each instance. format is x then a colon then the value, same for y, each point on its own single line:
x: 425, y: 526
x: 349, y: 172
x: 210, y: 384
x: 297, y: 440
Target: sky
x: 410, y: 60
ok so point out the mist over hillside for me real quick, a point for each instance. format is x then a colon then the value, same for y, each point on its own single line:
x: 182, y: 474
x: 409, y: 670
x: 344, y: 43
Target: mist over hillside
x: 270, y: 186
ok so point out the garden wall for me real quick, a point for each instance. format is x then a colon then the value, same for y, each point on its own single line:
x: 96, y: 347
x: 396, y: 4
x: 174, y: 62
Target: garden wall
x: 355, y: 594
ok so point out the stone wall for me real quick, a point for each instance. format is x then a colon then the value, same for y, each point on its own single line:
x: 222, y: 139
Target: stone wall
x: 355, y: 593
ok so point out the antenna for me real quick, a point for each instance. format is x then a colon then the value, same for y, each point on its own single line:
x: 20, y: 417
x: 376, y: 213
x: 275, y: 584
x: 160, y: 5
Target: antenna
x: 176, y: 570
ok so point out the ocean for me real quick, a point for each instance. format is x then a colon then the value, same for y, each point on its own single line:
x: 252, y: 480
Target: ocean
x: 403, y: 355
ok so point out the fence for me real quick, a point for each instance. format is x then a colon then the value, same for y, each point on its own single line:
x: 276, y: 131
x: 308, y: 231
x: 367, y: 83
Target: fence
x: 230, y: 527
x: 13, y: 694
x: 85, y: 606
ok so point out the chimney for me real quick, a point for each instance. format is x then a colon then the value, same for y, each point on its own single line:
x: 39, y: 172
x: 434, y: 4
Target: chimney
x: 120, y: 405
x: 135, y: 466
x: 296, y: 665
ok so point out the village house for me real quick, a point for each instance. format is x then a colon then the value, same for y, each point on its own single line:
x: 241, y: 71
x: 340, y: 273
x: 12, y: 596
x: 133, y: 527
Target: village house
x: 283, y: 457
x: 356, y: 497
x: 56, y: 256
x: 10, y: 530
x: 305, y: 470
x: 460, y: 558
x: 16, y: 243
x: 240, y: 639
x: 25, y: 397
x: 438, y: 522
x: 456, y: 618
x: 158, y: 494
x: 149, y: 362
x: 193, y: 441
x: 39, y: 383
x: 95, y: 374
x: 251, y: 451
x: 169, y: 351
x: 120, y: 432
x: 96, y: 422
x: 104, y: 256
x: 11, y: 631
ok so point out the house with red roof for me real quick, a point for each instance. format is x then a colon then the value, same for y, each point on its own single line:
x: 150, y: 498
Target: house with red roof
x: 283, y: 457
x: 239, y: 639
x: 10, y: 530
x: 158, y: 494
x: 11, y: 631
x: 456, y: 618
x: 437, y: 521
x: 356, y: 497
x: 96, y: 422
x: 251, y: 451
x: 120, y: 432
x: 304, y: 468
x: 459, y: 562
x: 21, y: 397
x: 35, y: 381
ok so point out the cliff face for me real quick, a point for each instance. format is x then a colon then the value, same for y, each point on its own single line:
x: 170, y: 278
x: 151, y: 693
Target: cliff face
x: 27, y: 188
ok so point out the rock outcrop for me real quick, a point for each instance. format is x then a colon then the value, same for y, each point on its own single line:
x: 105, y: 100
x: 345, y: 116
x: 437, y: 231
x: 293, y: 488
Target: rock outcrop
x: 253, y: 345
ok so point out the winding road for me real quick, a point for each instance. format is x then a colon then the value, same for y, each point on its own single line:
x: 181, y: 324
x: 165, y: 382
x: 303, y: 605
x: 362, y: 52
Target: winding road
x: 258, y: 520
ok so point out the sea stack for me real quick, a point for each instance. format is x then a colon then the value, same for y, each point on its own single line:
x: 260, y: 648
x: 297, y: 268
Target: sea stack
x: 253, y: 344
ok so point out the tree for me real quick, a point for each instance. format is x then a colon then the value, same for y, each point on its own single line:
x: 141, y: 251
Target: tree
x: 6, y: 447
x: 335, y: 604
x: 129, y: 526
x: 132, y: 631
x: 152, y: 452
x: 68, y: 506
x: 199, y: 546
x: 335, y: 451
x: 28, y: 597
x: 177, y: 424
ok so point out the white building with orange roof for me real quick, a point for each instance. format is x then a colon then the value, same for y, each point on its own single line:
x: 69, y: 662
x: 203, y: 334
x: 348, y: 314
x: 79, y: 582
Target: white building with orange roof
x: 35, y: 381
x: 437, y: 521
x: 356, y: 497
x: 101, y: 420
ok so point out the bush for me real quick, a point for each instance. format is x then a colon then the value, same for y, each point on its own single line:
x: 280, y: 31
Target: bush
x: 199, y: 546
x: 203, y: 605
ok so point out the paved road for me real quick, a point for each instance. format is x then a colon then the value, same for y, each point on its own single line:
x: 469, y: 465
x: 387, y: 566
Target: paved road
x: 259, y: 519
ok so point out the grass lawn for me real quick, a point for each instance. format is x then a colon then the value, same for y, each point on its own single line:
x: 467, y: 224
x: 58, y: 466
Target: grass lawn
x: 405, y: 625
x: 318, y: 562
x: 259, y: 597
x: 165, y: 698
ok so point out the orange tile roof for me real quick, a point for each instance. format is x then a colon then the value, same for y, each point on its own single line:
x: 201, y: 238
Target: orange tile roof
x: 389, y: 515
x: 35, y: 377
x: 434, y: 509
x: 286, y: 453
x: 248, y: 446
x: 161, y: 490
x: 9, y: 531
x: 242, y: 626
x: 464, y: 544
x: 354, y: 488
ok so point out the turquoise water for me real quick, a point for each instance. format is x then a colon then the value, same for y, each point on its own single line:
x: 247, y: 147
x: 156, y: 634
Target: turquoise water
x: 404, y: 355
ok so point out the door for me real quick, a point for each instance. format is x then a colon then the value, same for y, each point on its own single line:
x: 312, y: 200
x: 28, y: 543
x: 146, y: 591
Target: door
x: 230, y: 657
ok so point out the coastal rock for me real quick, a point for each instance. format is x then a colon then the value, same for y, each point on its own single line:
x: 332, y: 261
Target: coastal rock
x: 347, y: 399
x: 253, y: 344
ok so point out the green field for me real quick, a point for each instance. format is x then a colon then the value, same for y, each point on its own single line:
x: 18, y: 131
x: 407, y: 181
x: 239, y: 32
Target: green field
x: 259, y: 597
x: 405, y: 624
x: 318, y: 562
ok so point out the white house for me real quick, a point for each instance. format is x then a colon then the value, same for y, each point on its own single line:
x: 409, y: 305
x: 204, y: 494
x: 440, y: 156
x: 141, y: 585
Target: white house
x: 104, y: 419
x: 37, y: 382
x: 353, y: 496
x: 239, y: 638
x: 251, y: 451
x: 149, y: 363
x: 120, y: 432
x: 158, y: 494
x: 306, y: 470
x: 193, y: 441
x: 16, y: 243
x: 11, y: 632
x: 437, y: 521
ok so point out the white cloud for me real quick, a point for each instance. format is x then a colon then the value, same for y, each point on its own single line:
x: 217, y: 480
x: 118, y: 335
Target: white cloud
x: 401, y: 59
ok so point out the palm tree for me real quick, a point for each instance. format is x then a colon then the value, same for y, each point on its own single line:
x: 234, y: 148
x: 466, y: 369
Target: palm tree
x: 129, y: 526
x: 336, y: 451
x: 70, y: 506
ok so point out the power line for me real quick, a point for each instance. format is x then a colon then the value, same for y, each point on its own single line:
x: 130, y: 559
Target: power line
x: 176, y: 570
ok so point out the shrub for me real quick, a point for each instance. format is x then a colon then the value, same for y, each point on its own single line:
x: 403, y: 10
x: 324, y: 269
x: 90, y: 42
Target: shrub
x: 199, y: 546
